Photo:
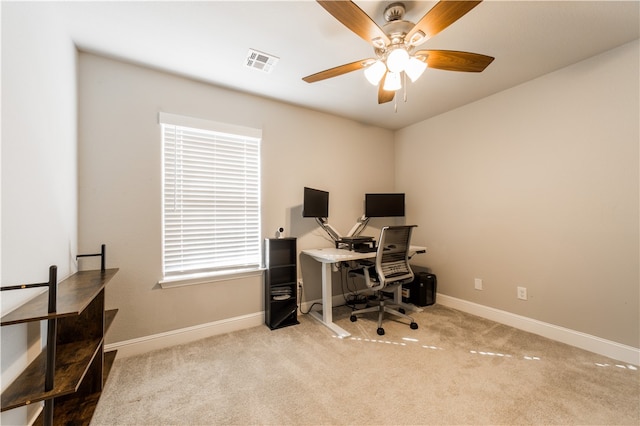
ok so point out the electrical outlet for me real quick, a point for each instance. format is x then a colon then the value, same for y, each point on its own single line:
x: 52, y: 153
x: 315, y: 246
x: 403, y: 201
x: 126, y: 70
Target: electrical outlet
x: 300, y: 283
x: 478, y: 283
x: 522, y: 293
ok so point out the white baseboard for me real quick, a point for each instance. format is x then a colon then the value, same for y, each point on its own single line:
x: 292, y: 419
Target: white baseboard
x: 578, y: 339
x: 184, y: 335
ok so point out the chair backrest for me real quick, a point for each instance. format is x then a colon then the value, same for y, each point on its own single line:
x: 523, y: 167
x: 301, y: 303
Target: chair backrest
x: 392, y: 256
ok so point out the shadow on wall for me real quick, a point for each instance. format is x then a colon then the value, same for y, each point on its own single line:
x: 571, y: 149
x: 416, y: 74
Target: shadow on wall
x: 299, y: 226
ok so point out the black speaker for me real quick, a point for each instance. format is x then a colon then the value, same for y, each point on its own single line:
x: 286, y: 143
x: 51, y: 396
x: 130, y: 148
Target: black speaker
x: 423, y: 289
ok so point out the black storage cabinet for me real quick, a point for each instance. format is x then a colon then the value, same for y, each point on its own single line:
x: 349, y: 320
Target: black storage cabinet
x: 280, y: 287
x: 423, y: 288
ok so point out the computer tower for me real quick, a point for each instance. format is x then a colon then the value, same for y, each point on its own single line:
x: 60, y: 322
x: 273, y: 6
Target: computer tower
x: 423, y: 289
x: 407, y: 291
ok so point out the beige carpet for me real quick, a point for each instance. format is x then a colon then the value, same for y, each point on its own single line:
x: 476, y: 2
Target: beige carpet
x: 455, y: 369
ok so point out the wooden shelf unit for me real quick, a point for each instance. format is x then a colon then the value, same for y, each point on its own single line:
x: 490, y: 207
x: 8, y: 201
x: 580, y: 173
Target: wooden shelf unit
x: 81, y: 366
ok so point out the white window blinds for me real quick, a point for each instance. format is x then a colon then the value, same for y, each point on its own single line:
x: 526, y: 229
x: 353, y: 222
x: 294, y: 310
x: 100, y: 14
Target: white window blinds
x: 211, y: 199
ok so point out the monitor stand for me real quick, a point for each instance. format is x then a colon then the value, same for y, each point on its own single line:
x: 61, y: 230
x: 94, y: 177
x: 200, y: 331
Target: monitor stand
x: 357, y: 243
x: 354, y: 233
x: 361, y: 223
x: 322, y: 221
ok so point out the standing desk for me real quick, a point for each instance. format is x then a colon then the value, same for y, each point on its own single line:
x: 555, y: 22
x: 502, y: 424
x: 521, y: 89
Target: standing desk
x: 329, y: 256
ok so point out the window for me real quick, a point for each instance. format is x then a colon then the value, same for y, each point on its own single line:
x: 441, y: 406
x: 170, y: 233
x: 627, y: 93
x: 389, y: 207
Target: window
x: 211, y: 197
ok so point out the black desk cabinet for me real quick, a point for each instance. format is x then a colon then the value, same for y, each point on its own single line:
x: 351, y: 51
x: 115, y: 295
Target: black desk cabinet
x: 280, y: 286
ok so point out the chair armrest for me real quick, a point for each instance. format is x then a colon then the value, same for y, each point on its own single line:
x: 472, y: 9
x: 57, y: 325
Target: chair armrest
x: 370, y: 277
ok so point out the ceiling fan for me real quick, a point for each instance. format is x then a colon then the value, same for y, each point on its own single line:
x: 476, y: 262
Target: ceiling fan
x: 395, y: 44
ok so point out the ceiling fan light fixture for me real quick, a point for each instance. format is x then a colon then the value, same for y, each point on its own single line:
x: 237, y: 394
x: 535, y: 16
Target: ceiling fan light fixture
x: 392, y: 82
x: 397, y: 60
x: 414, y: 69
x: 375, y: 72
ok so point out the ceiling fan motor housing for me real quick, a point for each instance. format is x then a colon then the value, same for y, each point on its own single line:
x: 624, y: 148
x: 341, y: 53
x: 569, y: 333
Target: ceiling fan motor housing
x: 396, y: 31
x: 396, y: 28
x: 394, y: 12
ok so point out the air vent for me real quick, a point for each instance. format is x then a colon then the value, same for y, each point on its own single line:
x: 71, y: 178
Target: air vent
x: 261, y: 61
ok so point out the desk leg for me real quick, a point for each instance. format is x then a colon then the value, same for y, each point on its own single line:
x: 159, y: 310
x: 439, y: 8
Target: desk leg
x: 327, y: 303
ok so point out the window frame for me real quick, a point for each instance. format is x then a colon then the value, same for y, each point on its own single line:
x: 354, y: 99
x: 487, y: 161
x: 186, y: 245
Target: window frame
x: 214, y: 273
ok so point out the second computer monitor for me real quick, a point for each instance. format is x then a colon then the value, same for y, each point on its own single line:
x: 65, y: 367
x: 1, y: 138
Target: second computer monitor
x: 384, y: 205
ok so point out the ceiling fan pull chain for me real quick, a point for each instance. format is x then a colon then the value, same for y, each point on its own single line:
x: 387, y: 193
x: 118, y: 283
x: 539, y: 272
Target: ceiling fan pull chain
x: 404, y: 86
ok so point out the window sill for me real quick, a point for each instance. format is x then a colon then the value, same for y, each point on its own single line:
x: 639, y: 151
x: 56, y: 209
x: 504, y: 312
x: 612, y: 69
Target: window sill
x: 196, y: 279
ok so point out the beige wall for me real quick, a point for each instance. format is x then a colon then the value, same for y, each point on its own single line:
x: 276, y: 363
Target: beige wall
x: 537, y: 186
x: 120, y: 185
x: 39, y: 173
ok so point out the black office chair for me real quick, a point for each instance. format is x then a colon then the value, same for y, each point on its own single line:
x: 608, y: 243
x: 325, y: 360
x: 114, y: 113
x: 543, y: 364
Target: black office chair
x: 390, y: 270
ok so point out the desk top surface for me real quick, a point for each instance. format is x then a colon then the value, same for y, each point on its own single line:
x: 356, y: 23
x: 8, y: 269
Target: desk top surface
x: 332, y: 255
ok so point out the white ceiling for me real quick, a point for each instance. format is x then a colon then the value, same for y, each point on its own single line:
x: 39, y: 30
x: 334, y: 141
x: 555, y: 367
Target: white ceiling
x: 209, y: 40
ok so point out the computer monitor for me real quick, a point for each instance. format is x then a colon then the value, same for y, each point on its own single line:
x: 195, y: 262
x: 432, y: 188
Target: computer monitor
x: 384, y: 205
x: 315, y: 203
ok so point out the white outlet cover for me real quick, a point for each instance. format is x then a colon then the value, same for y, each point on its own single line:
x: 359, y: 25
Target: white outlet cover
x: 478, y: 283
x: 522, y: 293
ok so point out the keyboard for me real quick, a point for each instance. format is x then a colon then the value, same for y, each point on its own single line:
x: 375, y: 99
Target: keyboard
x: 355, y: 239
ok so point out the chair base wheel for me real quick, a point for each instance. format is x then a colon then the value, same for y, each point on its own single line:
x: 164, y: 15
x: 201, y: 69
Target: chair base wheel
x: 353, y: 318
x: 380, y: 331
x: 402, y: 311
x: 414, y: 326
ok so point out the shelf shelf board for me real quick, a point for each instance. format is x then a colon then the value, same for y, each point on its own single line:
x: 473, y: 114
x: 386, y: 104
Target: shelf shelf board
x: 284, y: 313
x: 281, y: 265
x: 72, y: 362
x: 79, y: 411
x: 74, y: 295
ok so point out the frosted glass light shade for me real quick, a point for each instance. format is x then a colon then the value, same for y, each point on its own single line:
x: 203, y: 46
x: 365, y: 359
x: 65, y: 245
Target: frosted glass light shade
x: 392, y: 82
x: 414, y: 69
x: 397, y: 60
x: 374, y: 72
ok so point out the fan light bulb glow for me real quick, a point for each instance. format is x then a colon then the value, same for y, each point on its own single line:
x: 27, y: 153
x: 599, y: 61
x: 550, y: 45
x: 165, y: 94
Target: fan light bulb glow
x: 414, y: 69
x: 374, y: 72
x: 392, y: 82
x: 397, y: 60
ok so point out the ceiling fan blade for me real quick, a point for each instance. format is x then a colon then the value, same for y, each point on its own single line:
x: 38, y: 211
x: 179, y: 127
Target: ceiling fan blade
x: 354, y: 18
x: 384, y: 96
x: 440, y: 17
x: 452, y: 60
x: 336, y: 71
